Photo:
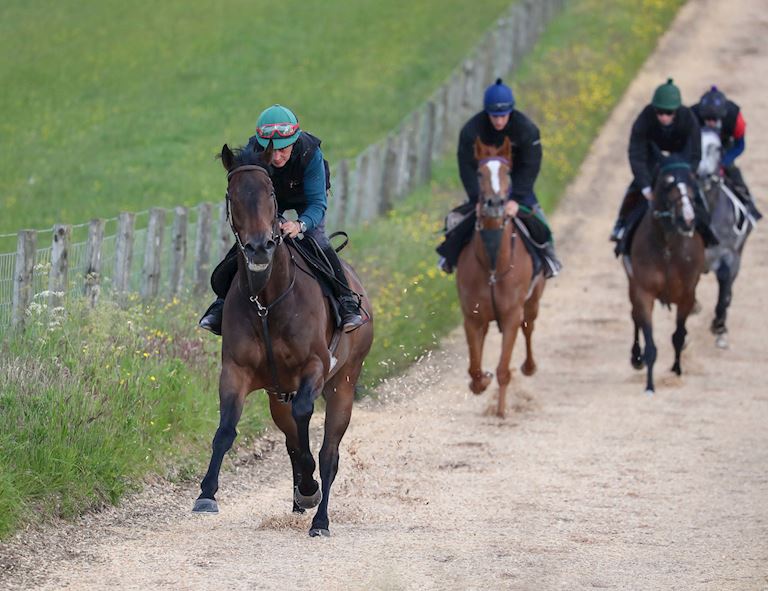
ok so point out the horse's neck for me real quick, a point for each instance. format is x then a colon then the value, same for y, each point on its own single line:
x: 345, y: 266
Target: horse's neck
x: 503, y: 256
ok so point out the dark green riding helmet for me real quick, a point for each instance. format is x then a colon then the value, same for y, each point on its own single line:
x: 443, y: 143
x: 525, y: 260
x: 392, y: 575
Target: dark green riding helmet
x: 667, y: 97
x: 279, y: 125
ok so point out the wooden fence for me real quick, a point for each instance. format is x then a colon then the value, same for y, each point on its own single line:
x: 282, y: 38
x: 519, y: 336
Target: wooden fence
x: 156, y: 258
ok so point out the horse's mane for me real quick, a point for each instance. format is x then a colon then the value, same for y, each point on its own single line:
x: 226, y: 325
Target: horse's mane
x: 245, y: 155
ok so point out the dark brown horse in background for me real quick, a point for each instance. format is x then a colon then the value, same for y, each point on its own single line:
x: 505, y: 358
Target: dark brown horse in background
x: 493, y: 276
x: 277, y: 335
x: 665, y: 262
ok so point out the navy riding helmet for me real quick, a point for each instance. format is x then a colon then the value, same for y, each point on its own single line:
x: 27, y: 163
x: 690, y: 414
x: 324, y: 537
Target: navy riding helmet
x: 498, y: 99
x: 713, y: 104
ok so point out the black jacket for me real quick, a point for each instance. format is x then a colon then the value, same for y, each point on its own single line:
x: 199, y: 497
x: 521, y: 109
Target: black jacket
x: 649, y: 138
x: 526, y: 152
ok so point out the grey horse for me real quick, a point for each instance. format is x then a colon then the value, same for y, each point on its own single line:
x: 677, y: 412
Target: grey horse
x: 731, y: 223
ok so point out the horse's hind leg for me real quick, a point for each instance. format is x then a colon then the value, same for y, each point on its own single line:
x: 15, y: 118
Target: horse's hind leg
x: 338, y: 411
x: 476, y: 332
x: 232, y: 392
x: 281, y: 414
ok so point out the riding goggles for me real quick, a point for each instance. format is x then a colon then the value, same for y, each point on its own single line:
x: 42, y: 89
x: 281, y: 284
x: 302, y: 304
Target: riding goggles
x: 665, y: 112
x: 499, y: 108
x: 270, y: 130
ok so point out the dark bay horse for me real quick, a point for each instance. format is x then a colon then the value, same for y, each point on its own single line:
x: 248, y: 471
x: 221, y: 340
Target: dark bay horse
x: 494, y: 276
x: 732, y: 224
x: 665, y: 262
x: 278, y: 335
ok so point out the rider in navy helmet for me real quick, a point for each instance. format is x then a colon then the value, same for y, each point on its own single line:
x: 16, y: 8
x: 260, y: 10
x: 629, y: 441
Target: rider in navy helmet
x: 499, y: 120
x: 714, y: 110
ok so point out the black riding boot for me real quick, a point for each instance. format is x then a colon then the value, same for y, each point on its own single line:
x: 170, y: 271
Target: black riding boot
x: 221, y: 279
x: 736, y: 182
x: 211, y: 320
x: 349, y: 302
x: 618, y: 230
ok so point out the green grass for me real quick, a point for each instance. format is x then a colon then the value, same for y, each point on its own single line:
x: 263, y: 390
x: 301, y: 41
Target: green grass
x: 111, y: 106
x: 82, y: 420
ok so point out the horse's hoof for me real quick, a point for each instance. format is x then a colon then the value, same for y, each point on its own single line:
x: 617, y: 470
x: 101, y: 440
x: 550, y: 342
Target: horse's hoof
x: 205, y: 506
x: 319, y: 532
x: 528, y: 369
x: 479, y: 386
x: 676, y: 368
x: 307, y: 502
x: 721, y: 342
x: 649, y: 392
x: 637, y: 363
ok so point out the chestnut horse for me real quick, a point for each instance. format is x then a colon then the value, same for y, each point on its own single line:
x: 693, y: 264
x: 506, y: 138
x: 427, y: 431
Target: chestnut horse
x: 493, y: 276
x: 665, y: 262
x: 278, y: 335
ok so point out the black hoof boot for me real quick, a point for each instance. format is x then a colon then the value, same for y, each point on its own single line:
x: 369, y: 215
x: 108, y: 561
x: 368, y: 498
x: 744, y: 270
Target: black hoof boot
x: 211, y: 320
x: 350, y: 313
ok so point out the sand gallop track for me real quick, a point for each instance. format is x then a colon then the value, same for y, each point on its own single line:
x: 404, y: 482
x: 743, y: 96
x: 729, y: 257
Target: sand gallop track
x: 587, y: 484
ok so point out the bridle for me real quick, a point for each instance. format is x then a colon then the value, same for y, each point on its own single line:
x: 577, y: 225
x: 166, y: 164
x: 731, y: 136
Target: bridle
x: 277, y: 237
x: 493, y: 208
x: 261, y: 310
x: 668, y: 214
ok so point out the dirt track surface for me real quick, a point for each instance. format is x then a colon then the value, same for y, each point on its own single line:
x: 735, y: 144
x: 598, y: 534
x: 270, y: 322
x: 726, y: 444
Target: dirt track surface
x: 587, y: 484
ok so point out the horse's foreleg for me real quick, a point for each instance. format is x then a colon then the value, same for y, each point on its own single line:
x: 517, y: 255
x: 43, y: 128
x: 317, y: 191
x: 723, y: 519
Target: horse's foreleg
x: 678, y: 337
x: 530, y: 313
x: 307, y: 494
x: 503, y: 375
x: 232, y: 392
x: 338, y: 411
x: 642, y: 315
x: 725, y: 283
x: 281, y: 414
x: 476, y: 332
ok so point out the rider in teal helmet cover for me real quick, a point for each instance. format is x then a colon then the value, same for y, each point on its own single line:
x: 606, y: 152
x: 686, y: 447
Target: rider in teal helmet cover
x: 301, y: 181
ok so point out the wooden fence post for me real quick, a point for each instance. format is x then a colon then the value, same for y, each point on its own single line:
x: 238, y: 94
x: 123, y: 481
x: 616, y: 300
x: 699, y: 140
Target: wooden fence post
x: 426, y: 134
x: 339, y: 195
x: 179, y: 252
x: 26, y: 245
x: 150, y: 274
x: 57, y: 279
x: 92, y: 284
x: 124, y: 251
x: 389, y: 176
x: 224, y: 235
x: 203, y: 247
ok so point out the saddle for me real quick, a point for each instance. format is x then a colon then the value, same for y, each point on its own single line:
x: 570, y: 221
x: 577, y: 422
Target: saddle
x: 460, y: 226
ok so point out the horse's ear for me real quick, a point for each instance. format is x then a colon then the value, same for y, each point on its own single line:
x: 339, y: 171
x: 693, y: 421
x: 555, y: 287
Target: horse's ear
x: 506, y: 148
x: 479, y: 149
x: 227, y: 157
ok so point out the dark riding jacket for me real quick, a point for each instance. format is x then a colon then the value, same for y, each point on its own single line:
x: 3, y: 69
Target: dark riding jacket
x: 649, y: 138
x: 732, y: 131
x: 526, y: 154
x: 303, y: 182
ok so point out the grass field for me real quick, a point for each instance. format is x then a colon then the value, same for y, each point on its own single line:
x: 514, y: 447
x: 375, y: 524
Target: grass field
x: 110, y: 106
x: 91, y: 404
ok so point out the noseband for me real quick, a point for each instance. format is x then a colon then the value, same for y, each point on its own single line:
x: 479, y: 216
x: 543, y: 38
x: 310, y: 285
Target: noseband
x: 669, y: 214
